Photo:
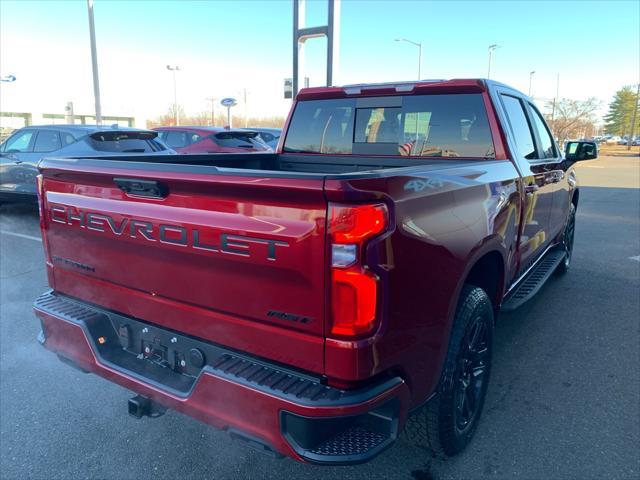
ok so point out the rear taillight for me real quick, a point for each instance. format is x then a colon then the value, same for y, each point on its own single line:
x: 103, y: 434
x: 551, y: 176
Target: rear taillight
x: 354, y: 288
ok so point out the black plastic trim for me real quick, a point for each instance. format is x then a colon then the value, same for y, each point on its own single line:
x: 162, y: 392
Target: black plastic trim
x: 282, y: 165
x: 258, y: 374
x: 339, y: 440
x: 534, y: 280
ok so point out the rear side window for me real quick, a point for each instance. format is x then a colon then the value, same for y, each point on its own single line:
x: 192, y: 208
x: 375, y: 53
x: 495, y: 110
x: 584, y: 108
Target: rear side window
x: 67, y: 138
x: 177, y: 139
x: 519, y: 126
x: 267, y: 137
x: 452, y: 125
x: 47, y: 141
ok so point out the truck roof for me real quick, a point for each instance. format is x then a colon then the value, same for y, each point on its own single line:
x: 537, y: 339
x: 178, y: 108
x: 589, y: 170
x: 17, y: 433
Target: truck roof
x: 460, y: 85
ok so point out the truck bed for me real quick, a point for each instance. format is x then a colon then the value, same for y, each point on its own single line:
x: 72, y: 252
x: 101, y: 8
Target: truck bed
x: 266, y: 163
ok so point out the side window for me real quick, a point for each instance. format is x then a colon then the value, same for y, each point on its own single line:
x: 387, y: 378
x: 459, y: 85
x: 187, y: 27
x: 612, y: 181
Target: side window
x: 548, y: 151
x: 267, y: 137
x: 177, y: 139
x: 47, y: 141
x: 67, y: 138
x: 520, y: 126
x: 19, y: 142
x: 194, y: 137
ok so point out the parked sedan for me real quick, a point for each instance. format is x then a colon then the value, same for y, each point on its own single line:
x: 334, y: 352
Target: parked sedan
x: 21, y: 152
x: 212, y: 140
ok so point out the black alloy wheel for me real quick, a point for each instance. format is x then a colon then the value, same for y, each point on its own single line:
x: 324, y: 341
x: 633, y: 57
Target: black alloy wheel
x: 471, y: 374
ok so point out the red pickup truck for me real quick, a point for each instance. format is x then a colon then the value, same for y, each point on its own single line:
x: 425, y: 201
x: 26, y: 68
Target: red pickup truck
x: 319, y: 300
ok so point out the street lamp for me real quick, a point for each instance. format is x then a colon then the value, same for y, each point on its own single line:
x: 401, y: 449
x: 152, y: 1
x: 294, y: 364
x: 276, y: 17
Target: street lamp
x: 531, y: 80
x: 492, y: 47
x: 174, y: 69
x: 419, y: 45
x: 94, y: 63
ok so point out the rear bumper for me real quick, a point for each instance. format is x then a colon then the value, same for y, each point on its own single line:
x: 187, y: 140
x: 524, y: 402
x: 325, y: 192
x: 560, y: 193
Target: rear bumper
x: 279, y: 410
x: 18, y: 197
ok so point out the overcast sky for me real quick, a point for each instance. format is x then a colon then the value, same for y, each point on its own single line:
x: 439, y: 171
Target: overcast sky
x: 225, y: 47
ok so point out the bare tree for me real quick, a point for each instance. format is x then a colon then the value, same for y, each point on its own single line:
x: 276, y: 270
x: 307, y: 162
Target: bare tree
x: 204, y: 118
x: 573, y: 118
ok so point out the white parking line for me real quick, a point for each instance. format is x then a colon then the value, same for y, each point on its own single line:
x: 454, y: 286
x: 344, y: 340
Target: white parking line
x: 636, y: 258
x: 21, y: 235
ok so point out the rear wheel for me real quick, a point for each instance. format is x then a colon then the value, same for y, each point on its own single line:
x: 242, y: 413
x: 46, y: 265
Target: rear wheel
x: 448, y: 421
x: 567, y: 241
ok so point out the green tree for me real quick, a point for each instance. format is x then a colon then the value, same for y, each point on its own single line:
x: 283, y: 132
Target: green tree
x: 618, y: 119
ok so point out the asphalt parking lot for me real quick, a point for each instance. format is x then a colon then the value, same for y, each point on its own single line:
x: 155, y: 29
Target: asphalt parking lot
x: 563, y: 402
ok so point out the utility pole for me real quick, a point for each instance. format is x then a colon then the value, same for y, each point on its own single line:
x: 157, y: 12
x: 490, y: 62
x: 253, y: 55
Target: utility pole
x: 213, y: 110
x: 94, y: 63
x: 491, y: 50
x: 246, y: 119
x: 635, y: 115
x: 553, y: 110
x: 174, y: 69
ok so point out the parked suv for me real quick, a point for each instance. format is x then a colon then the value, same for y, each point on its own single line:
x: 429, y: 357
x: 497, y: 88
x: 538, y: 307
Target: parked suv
x: 21, y: 152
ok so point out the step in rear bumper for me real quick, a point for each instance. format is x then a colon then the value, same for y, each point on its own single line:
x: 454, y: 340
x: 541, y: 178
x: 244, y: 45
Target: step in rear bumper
x: 277, y: 409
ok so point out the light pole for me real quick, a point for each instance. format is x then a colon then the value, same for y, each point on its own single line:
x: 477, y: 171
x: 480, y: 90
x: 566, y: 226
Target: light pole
x: 94, y: 63
x: 633, y: 119
x: 213, y: 110
x: 531, y: 80
x: 492, y: 47
x: 174, y: 69
x: 419, y: 45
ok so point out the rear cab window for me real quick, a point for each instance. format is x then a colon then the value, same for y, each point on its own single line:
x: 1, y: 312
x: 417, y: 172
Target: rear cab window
x: 433, y: 125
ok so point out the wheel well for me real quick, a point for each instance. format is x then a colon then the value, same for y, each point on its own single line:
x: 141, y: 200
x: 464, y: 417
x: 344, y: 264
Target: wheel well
x: 488, y: 273
x: 574, y: 199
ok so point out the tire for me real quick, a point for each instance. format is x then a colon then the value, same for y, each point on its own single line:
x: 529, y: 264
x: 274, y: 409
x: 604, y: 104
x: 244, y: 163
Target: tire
x: 567, y: 241
x: 446, y: 424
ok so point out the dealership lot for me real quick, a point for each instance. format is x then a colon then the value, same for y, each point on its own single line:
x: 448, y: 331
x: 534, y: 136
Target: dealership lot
x: 563, y: 399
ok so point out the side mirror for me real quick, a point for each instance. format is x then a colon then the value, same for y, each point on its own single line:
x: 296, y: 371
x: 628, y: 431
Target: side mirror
x: 577, y: 151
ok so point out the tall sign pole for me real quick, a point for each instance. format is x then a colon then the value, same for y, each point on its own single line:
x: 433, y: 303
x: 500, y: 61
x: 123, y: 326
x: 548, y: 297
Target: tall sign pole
x: 633, y: 121
x: 94, y: 63
x: 301, y: 34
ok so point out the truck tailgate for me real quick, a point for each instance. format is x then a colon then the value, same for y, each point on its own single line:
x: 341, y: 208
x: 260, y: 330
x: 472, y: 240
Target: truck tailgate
x: 234, y: 260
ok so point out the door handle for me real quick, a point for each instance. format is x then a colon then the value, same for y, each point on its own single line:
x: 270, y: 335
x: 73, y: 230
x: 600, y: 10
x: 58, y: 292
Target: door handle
x: 142, y: 188
x: 531, y: 189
